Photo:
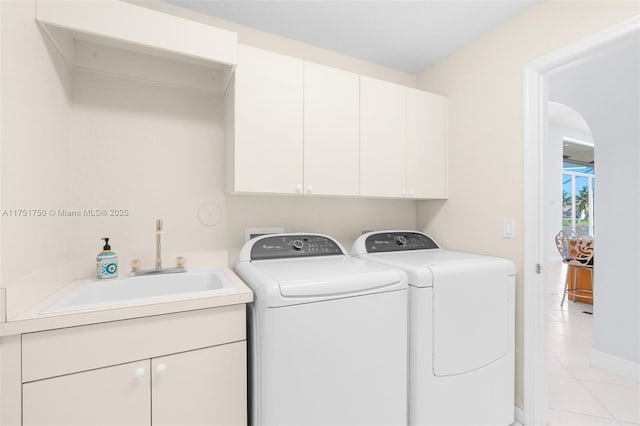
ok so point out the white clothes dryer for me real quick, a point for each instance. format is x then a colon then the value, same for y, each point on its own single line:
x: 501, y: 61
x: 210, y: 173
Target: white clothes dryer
x: 461, y: 321
x: 327, y: 334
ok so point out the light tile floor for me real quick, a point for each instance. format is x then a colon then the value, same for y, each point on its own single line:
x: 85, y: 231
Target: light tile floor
x: 579, y: 394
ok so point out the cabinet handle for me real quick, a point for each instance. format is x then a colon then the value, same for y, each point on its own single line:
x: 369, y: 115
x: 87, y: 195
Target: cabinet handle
x: 309, y: 189
x: 161, y: 368
x: 139, y: 372
x: 403, y: 193
x: 411, y: 193
x: 299, y: 189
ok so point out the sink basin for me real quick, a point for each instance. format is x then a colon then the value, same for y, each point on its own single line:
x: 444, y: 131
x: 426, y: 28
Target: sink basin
x: 94, y: 293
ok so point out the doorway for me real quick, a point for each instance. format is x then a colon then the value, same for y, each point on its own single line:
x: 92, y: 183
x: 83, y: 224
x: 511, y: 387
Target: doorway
x: 536, y: 76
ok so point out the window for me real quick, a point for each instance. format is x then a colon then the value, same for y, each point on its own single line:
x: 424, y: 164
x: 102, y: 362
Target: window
x: 577, y: 198
x: 578, y: 173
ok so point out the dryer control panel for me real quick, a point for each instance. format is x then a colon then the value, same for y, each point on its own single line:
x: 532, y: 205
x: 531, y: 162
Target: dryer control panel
x: 293, y: 246
x: 398, y: 241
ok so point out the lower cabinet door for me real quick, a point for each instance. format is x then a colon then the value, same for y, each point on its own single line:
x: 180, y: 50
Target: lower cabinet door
x: 201, y: 387
x: 118, y: 395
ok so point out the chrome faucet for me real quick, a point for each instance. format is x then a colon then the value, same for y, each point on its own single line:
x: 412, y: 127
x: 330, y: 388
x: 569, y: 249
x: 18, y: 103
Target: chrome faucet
x: 159, y: 232
x: 180, y: 262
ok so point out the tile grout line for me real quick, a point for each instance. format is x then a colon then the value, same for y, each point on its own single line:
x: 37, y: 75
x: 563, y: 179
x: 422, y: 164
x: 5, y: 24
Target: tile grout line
x: 589, y: 392
x: 587, y: 415
x: 566, y: 321
x: 614, y: 417
x: 582, y: 384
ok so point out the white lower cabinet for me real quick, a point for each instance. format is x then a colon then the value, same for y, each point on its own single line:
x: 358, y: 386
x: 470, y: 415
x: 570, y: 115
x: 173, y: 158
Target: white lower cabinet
x: 106, y: 396
x: 197, y: 376
x: 203, y: 387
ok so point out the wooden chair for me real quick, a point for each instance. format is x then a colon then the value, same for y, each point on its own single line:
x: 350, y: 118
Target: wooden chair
x: 577, y: 253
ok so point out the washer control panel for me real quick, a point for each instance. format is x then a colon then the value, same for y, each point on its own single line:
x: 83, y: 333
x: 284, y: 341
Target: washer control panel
x: 398, y: 241
x: 293, y: 246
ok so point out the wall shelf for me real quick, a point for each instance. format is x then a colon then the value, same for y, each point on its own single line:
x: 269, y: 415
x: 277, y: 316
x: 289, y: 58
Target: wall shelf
x: 129, y: 40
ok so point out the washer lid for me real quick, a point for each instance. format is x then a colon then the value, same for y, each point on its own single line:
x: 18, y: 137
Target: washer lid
x: 287, y: 269
x: 422, y: 265
x: 327, y: 276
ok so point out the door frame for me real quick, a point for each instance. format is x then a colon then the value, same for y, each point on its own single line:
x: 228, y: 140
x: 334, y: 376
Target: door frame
x: 535, y: 279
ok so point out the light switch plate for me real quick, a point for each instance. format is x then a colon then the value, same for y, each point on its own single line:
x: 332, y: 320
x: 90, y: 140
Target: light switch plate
x: 509, y: 229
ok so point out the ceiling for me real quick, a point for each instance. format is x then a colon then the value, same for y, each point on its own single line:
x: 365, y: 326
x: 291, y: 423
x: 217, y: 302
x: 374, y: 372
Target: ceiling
x: 573, y: 150
x: 577, y: 152
x: 566, y: 116
x: 404, y: 35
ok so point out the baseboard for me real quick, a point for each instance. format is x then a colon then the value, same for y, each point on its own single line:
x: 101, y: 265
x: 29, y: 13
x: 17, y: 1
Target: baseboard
x: 615, y: 365
x: 519, y: 415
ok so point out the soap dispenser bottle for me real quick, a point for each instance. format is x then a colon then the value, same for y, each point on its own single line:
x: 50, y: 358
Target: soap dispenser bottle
x: 106, y: 262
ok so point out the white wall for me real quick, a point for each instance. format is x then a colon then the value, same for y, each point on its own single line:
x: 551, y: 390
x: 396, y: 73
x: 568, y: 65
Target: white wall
x: 77, y: 139
x: 35, y: 145
x: 606, y: 91
x: 153, y: 149
x: 484, y: 84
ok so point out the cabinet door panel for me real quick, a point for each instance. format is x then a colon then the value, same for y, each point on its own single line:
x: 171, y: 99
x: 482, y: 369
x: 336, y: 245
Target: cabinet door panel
x: 106, y: 396
x: 331, y: 131
x: 68, y: 350
x: 268, y: 122
x: 202, y: 387
x: 382, y: 138
x: 426, y: 144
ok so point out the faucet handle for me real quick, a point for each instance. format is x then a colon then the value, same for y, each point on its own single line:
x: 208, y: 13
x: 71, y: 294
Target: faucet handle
x: 180, y: 262
x: 135, y: 265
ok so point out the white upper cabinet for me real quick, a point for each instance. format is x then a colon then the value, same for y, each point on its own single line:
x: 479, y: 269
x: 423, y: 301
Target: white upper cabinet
x: 331, y: 131
x: 426, y: 144
x: 403, y: 141
x: 266, y: 123
x: 382, y: 138
x: 295, y: 127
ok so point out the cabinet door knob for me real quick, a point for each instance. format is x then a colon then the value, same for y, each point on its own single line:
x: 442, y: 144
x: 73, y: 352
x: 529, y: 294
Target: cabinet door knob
x: 161, y: 368
x: 299, y: 189
x: 411, y: 193
x: 404, y: 193
x: 309, y: 189
x: 139, y: 372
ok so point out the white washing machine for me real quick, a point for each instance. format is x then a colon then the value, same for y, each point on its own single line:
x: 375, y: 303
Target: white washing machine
x: 327, y: 334
x: 461, y: 321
